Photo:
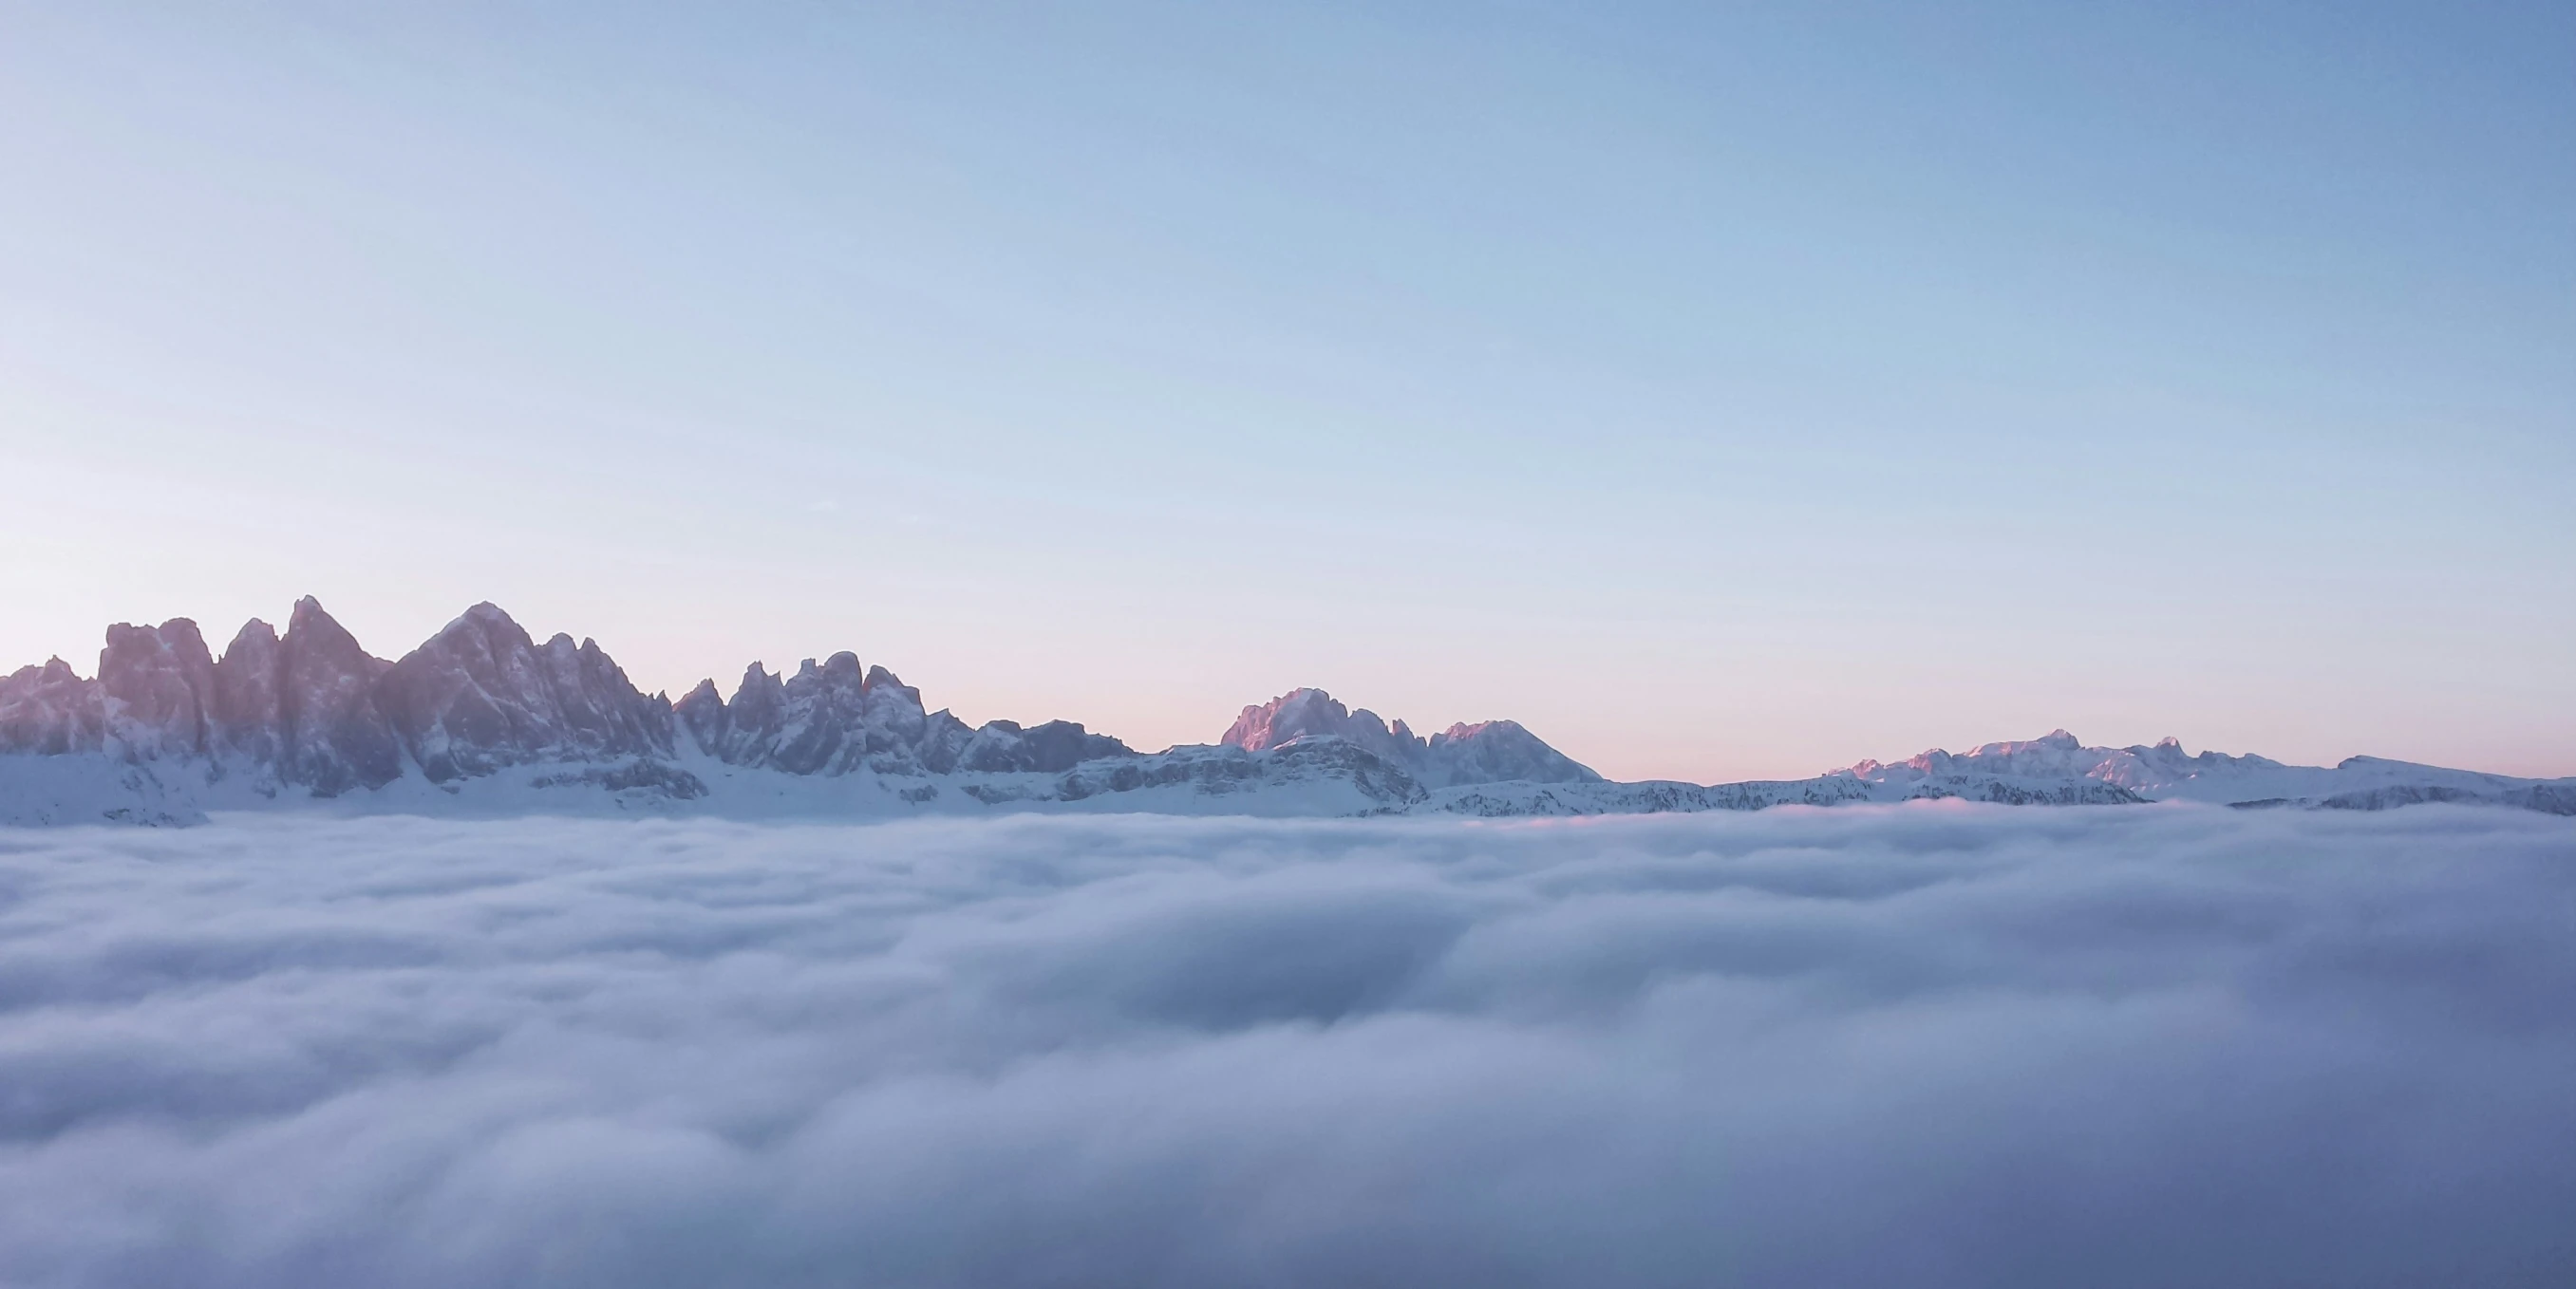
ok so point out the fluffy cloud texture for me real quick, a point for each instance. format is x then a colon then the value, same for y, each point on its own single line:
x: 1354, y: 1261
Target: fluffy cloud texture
x: 1932, y: 1045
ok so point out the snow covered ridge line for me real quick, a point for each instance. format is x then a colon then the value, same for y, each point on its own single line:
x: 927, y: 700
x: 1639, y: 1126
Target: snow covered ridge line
x: 481, y: 719
x: 2055, y: 771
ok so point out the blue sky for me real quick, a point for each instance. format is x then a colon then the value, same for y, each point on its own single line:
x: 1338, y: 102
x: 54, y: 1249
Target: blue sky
x: 1721, y: 392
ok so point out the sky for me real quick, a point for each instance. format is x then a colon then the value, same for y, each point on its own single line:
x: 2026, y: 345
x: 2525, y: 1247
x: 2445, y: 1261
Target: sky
x: 1721, y: 391
x: 1931, y: 1045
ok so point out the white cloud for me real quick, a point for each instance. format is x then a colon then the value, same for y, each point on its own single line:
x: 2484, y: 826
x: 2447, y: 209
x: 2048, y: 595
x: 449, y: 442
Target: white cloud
x: 1924, y: 1045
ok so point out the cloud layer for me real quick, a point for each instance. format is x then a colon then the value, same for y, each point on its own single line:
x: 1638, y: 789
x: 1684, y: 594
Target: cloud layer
x: 1890, y: 1046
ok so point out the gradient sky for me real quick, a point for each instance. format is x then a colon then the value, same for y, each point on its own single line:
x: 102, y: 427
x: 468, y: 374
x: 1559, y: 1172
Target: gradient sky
x: 1721, y: 394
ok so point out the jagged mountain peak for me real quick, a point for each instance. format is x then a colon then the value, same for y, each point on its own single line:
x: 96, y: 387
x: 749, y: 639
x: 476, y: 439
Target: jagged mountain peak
x: 253, y: 634
x: 1484, y: 752
x: 481, y: 695
x: 309, y: 615
x: 159, y: 685
x: 1299, y: 712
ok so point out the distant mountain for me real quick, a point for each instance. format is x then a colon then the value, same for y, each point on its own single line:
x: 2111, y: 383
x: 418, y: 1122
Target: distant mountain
x: 483, y: 719
x: 2165, y: 772
x: 1486, y: 752
x: 2057, y: 769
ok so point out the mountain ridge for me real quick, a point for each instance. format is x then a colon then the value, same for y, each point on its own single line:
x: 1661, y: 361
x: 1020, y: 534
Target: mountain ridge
x: 481, y: 717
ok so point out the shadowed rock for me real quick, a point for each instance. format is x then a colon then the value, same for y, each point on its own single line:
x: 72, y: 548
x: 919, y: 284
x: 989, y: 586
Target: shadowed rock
x: 481, y: 695
x: 332, y: 735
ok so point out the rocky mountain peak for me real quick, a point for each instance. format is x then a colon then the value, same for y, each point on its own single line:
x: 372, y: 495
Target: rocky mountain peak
x: 248, y: 723
x: 159, y: 683
x: 1308, y: 713
x: 1488, y: 751
x: 702, y: 713
x: 255, y: 636
x: 50, y: 710
x: 1299, y: 711
x: 1498, y: 751
x: 334, y: 737
x: 481, y: 695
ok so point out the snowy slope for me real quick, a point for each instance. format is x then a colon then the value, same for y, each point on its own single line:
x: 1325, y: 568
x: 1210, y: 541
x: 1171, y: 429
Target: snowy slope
x: 89, y: 788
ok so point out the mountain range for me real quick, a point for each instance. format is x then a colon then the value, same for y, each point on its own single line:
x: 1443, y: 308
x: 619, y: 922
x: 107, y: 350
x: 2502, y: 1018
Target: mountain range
x: 483, y: 719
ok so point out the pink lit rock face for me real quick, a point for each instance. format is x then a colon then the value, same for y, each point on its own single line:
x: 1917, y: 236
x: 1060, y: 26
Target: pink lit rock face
x: 50, y: 711
x: 1486, y: 752
x: 481, y: 718
x: 163, y: 682
x: 299, y: 711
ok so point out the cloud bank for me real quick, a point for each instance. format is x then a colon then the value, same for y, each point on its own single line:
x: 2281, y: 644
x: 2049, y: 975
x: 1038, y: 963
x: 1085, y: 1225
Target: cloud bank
x: 1936, y: 1045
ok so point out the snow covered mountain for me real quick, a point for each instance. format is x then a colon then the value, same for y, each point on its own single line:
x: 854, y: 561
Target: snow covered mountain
x: 482, y: 719
x: 2164, y: 772
x: 2057, y: 769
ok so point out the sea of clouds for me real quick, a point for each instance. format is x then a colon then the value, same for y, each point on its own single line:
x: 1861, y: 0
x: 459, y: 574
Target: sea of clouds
x: 1923, y: 1045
